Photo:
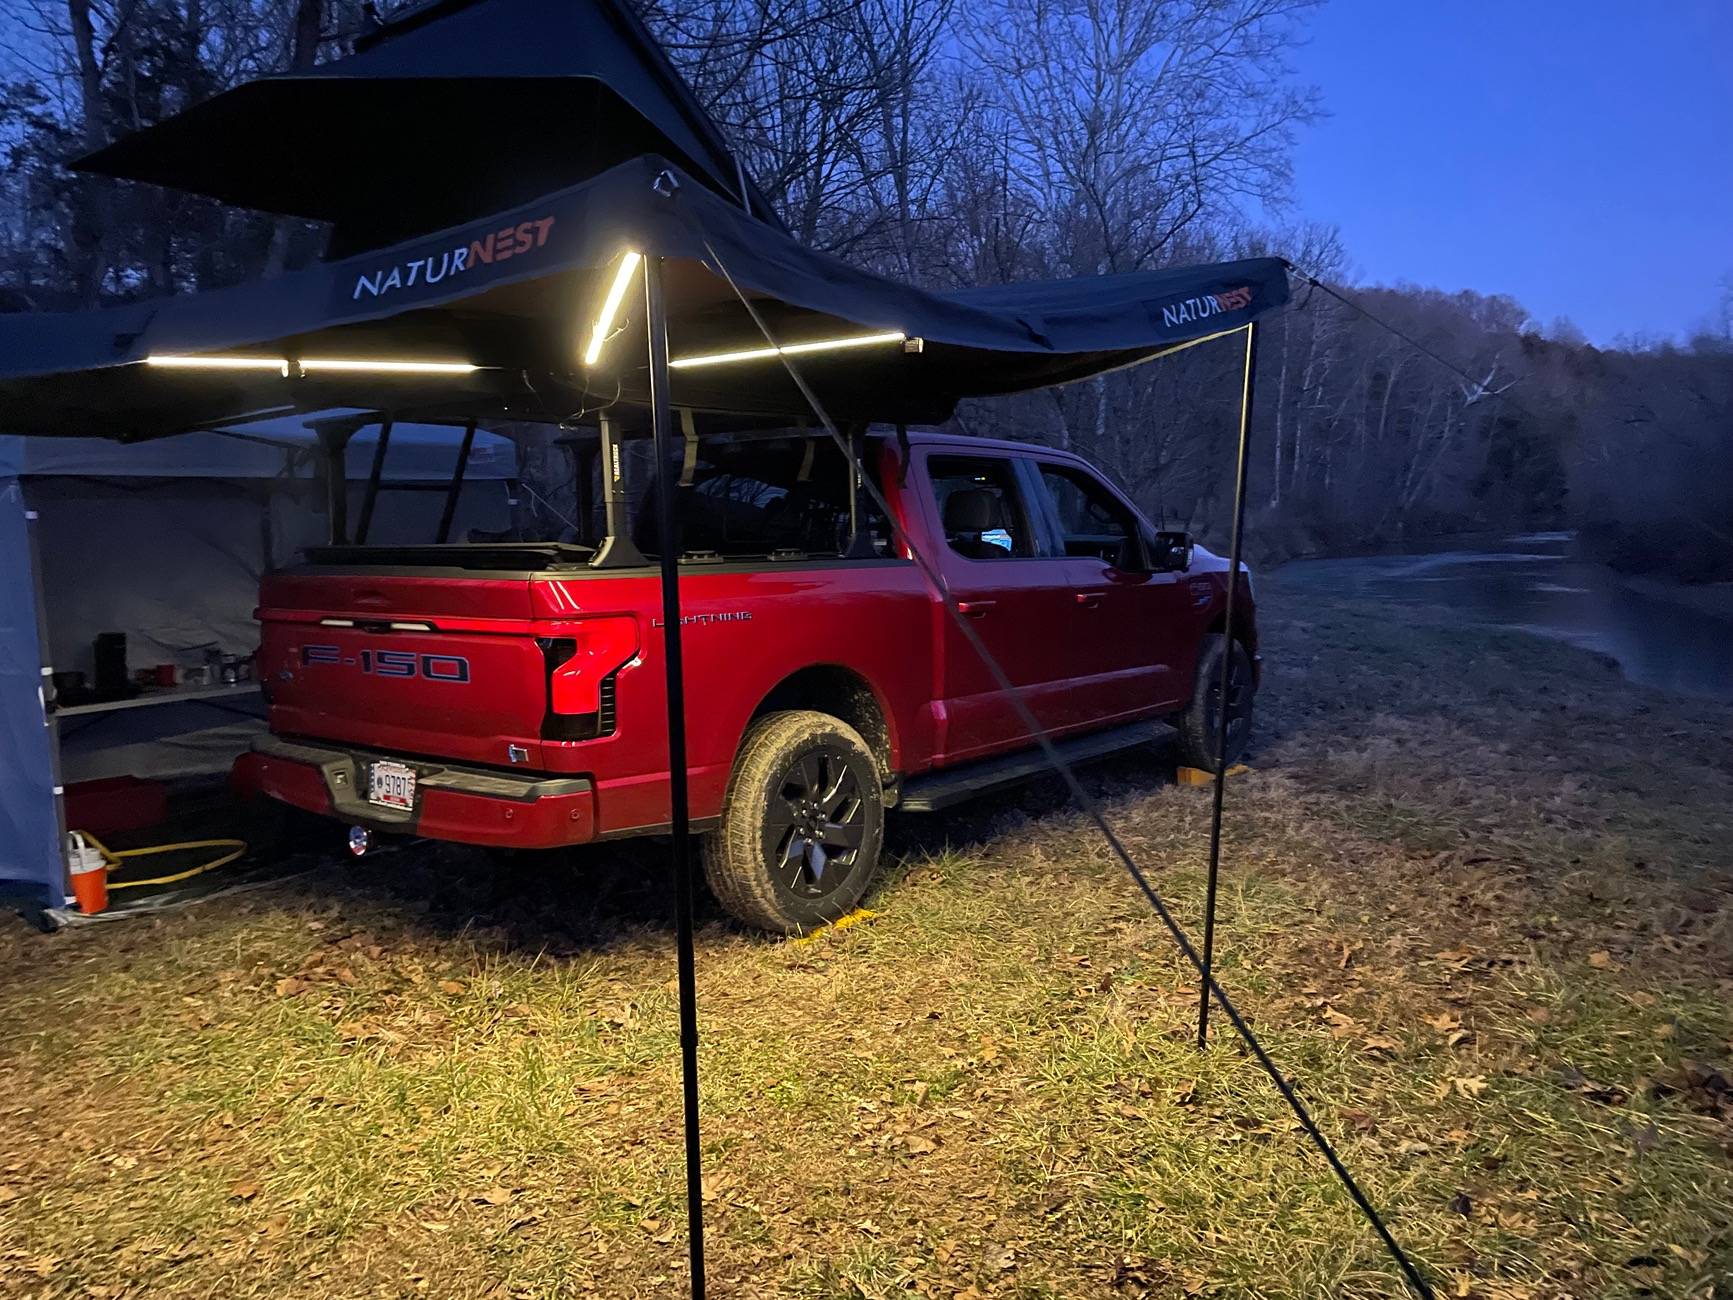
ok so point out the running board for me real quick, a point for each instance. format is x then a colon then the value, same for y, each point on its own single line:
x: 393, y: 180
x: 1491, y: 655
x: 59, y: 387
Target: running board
x: 940, y: 790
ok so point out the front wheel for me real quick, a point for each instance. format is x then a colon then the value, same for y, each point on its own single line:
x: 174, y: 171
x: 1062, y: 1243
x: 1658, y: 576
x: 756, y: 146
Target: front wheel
x: 1199, y: 725
x: 801, y: 827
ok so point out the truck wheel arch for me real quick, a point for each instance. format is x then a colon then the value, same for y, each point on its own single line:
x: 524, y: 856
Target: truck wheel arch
x: 842, y: 693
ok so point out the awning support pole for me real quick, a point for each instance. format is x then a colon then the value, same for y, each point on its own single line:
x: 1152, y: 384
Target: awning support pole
x: 372, y: 494
x: 663, y: 433
x: 617, y: 551
x: 456, y: 487
x: 860, y: 543
x: 584, y: 461
x: 1215, y: 825
x: 334, y: 445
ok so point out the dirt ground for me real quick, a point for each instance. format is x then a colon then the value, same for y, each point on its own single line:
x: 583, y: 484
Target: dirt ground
x: 1478, y: 901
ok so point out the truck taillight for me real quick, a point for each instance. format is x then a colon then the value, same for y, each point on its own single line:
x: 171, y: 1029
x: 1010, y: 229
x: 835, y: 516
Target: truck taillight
x: 581, y: 672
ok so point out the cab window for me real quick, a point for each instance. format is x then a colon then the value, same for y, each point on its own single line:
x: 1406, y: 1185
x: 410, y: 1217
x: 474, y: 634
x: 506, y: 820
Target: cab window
x: 1092, y: 522
x: 982, y: 511
x: 755, y: 497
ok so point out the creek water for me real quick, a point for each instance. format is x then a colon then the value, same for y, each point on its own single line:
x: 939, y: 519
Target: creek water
x: 1663, y: 635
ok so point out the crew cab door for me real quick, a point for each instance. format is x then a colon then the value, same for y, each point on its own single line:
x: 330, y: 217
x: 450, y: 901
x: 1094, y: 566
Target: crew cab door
x: 1128, y: 626
x: 1011, y: 597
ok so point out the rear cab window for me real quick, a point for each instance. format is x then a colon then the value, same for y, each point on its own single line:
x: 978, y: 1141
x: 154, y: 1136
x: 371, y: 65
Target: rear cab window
x: 756, y: 499
x: 745, y: 499
x: 759, y: 496
x: 981, y: 507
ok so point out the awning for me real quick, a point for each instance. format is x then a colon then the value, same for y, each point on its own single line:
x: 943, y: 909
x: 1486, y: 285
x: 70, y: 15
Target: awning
x: 453, y: 110
x: 515, y: 294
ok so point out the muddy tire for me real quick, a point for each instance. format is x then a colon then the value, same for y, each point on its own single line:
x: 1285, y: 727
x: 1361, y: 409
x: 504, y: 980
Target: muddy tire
x: 1198, y: 734
x: 802, y: 824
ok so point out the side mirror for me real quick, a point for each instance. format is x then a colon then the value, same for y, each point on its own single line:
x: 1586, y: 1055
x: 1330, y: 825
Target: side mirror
x: 1171, y: 552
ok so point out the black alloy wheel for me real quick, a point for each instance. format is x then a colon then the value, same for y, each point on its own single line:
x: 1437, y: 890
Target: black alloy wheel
x: 816, y: 823
x: 802, y: 823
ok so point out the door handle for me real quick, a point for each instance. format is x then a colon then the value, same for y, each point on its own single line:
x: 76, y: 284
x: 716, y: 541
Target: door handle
x: 974, y: 608
x: 1087, y: 599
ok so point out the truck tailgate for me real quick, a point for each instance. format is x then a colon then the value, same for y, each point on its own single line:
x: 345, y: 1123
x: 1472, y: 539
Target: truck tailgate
x: 420, y: 665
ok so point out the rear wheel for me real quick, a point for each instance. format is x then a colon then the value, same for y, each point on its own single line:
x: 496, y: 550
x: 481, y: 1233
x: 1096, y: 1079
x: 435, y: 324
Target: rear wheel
x: 801, y: 827
x: 1199, y: 734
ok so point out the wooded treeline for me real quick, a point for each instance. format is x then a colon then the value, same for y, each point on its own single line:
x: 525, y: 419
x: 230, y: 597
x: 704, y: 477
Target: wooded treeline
x: 954, y: 144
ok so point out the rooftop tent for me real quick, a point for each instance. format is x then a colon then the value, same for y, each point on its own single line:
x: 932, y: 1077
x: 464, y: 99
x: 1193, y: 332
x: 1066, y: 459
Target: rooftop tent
x: 507, y: 300
x: 453, y: 110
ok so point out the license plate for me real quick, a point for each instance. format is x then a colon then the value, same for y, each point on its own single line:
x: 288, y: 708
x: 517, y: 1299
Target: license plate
x: 391, y: 785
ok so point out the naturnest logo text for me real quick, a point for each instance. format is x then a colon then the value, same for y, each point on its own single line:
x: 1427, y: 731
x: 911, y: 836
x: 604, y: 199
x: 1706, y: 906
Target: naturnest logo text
x: 496, y: 246
x: 1205, y: 305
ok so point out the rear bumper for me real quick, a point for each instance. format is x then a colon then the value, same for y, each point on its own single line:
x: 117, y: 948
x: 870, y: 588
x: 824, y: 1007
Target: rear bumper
x: 468, y: 805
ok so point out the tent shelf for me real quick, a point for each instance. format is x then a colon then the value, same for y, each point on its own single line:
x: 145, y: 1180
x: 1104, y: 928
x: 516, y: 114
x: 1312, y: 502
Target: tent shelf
x: 175, y: 695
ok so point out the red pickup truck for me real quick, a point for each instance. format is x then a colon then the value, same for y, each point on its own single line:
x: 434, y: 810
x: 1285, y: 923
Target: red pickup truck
x: 510, y: 693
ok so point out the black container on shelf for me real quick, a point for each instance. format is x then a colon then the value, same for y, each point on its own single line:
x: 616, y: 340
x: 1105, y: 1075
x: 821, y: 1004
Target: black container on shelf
x: 111, y: 680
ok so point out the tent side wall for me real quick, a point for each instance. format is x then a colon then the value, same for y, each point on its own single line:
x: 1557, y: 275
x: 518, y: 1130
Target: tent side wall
x: 170, y: 554
x: 31, y: 869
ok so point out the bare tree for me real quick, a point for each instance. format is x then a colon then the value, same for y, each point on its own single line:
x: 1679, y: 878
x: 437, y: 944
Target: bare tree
x: 1130, y: 120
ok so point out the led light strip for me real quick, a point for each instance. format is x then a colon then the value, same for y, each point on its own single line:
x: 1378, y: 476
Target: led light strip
x: 218, y: 363
x: 392, y: 367
x: 311, y: 365
x: 611, y: 306
x: 786, y: 350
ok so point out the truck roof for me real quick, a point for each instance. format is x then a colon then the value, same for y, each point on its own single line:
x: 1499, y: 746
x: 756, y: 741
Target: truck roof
x: 971, y: 442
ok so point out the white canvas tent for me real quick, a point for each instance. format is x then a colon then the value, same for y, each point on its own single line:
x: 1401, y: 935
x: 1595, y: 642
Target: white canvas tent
x: 166, y: 541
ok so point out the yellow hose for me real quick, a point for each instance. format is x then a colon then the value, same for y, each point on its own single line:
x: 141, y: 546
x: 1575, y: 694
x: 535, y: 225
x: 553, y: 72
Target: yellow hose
x: 115, y: 860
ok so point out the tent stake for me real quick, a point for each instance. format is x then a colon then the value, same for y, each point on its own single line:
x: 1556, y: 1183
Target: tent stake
x: 662, y: 431
x: 1215, y: 825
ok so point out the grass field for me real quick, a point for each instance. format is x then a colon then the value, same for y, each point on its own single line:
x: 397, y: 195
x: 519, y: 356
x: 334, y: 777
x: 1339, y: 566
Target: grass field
x: 1478, y: 900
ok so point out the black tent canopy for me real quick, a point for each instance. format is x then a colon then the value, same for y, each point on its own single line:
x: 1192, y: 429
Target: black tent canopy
x: 543, y: 142
x: 455, y: 109
x: 507, y: 302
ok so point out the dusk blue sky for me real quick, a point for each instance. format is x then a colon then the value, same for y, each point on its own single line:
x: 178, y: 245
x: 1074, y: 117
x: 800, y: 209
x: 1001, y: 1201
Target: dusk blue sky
x: 1577, y: 156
